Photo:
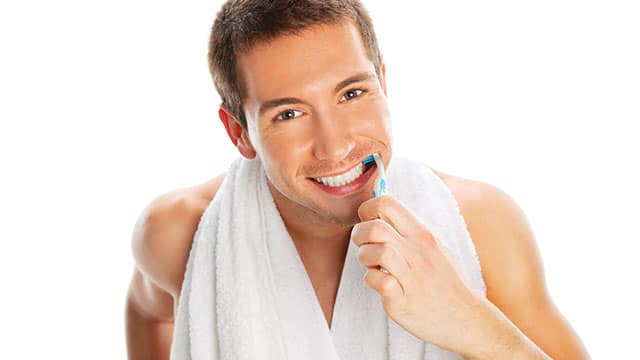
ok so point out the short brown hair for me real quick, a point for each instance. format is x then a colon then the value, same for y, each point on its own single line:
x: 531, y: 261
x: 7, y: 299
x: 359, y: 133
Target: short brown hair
x: 240, y: 24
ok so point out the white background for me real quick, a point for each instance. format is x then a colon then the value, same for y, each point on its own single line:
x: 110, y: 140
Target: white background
x: 106, y: 105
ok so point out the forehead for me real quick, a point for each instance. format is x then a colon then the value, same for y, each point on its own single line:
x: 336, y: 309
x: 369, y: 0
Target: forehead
x: 317, y: 57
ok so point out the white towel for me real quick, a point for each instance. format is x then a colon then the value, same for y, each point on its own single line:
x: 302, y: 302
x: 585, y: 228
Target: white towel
x: 246, y: 294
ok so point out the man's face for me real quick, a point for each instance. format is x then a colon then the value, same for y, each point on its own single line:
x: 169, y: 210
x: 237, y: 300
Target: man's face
x: 326, y: 127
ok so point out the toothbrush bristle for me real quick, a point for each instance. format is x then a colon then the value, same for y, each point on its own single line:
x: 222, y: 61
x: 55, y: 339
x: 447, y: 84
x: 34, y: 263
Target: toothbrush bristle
x: 367, y: 160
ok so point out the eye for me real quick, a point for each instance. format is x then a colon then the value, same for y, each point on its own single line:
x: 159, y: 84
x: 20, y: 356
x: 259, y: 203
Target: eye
x: 353, y: 93
x: 287, y: 115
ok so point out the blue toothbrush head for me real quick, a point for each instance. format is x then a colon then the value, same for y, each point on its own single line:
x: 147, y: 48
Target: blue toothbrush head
x: 369, y: 159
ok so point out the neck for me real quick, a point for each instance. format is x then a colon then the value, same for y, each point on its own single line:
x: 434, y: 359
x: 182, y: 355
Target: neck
x: 317, y: 239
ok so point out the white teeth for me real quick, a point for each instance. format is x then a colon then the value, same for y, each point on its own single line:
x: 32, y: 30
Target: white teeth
x: 343, y: 179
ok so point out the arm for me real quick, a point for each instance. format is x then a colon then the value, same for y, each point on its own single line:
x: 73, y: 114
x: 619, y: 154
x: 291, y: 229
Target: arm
x: 525, y: 317
x: 149, y: 319
x: 161, y: 242
x: 162, y: 239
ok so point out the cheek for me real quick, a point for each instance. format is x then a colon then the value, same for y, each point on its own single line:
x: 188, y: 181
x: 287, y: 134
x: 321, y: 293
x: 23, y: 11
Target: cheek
x: 286, y: 147
x: 283, y: 154
x: 374, y: 120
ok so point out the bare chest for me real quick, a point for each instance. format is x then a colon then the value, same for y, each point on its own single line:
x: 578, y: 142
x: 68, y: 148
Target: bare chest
x: 326, y: 292
x: 325, y: 279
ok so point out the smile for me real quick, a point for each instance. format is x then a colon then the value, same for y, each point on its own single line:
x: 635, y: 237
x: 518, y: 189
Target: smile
x: 344, y: 178
x: 347, y: 182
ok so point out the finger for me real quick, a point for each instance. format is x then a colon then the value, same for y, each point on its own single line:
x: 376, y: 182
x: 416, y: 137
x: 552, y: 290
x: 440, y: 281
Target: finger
x: 392, y: 211
x: 374, y: 231
x: 378, y: 232
x: 386, y: 285
x: 376, y: 256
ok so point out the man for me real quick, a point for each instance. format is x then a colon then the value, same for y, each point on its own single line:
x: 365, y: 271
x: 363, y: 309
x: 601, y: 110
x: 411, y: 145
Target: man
x: 303, y: 86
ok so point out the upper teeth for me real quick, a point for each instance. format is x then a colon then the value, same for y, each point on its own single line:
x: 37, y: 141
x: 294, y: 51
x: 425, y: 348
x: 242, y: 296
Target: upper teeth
x: 345, y: 178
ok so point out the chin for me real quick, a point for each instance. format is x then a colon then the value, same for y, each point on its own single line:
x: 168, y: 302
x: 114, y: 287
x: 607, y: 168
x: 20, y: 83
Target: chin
x: 346, y: 220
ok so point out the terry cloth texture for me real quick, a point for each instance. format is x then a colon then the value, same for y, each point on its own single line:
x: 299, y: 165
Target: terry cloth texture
x: 246, y: 294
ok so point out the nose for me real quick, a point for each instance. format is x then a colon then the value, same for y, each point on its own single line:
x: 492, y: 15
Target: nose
x: 333, y: 139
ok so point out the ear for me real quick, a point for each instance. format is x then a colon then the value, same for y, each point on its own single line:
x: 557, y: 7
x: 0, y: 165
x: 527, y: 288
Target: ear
x: 238, y: 135
x: 383, y: 75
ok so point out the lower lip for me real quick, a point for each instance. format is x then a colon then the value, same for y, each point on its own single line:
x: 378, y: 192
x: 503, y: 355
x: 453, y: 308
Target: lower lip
x: 349, y: 188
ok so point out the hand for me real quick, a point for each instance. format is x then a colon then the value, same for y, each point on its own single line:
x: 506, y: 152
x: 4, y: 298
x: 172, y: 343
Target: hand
x: 422, y: 291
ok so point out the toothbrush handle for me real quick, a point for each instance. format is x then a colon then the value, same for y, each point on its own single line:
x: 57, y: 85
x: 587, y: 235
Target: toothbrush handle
x: 380, y: 187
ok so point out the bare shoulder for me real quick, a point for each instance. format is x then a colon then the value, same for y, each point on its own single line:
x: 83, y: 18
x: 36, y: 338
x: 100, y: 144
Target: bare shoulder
x: 503, y: 238
x: 164, y: 233
x: 512, y: 267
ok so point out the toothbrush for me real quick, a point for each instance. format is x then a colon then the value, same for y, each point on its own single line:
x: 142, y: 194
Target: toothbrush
x: 380, y: 185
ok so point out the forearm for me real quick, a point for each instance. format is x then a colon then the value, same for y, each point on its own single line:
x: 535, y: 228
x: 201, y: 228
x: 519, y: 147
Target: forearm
x: 147, y: 339
x: 499, y: 338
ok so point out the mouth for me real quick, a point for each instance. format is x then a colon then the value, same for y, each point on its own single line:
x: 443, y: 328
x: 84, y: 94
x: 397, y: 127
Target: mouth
x: 348, y: 182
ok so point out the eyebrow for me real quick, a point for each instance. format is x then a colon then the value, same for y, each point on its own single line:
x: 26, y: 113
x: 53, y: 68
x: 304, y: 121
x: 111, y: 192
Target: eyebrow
x: 270, y: 104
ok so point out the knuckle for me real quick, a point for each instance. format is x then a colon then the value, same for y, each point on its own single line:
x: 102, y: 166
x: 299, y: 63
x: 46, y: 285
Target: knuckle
x: 361, y: 212
x: 427, y: 237
x: 378, y: 227
x: 387, y: 284
x: 361, y: 253
x: 385, y: 201
x: 368, y: 275
x: 380, y: 204
x: 356, y: 230
x: 386, y: 253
